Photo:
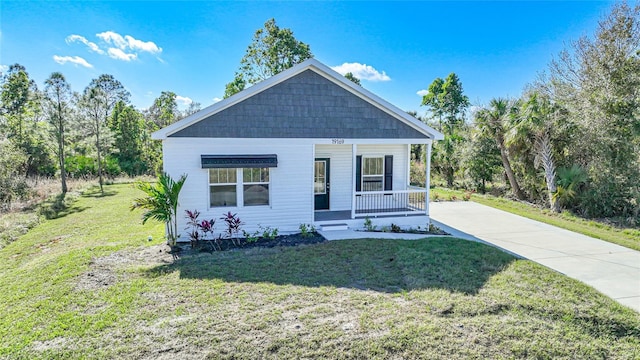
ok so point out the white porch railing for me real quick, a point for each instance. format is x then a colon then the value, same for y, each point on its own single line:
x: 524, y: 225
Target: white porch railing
x: 387, y: 203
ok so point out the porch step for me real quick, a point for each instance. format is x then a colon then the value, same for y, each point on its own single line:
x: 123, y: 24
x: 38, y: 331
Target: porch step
x: 329, y: 227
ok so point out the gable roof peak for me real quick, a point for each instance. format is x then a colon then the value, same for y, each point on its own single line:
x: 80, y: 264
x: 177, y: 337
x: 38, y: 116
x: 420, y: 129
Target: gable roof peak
x: 309, y: 64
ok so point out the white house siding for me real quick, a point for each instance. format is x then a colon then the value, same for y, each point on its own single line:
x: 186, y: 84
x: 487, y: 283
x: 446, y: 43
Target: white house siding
x: 399, y: 153
x: 291, y: 182
x: 340, y: 174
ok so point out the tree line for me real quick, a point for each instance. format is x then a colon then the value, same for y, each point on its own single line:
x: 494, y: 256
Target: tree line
x: 570, y: 141
x: 54, y: 131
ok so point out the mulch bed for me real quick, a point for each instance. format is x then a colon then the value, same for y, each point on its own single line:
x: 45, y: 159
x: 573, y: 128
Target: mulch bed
x: 227, y: 244
x: 421, y: 232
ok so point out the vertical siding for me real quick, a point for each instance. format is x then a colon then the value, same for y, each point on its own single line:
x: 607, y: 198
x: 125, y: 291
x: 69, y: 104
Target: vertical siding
x: 340, y: 174
x: 291, y: 183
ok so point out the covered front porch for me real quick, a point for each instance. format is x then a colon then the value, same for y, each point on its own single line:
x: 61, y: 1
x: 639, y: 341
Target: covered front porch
x: 358, y: 181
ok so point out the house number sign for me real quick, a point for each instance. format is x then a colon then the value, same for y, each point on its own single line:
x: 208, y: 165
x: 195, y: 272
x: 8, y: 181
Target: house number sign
x: 337, y: 141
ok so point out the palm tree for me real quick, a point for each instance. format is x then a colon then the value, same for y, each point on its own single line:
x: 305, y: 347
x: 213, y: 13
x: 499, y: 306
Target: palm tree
x: 161, y: 203
x: 535, y: 123
x: 493, y: 121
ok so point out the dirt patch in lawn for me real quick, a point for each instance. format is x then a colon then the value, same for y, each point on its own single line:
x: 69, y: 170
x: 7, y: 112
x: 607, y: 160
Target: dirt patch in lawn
x: 105, y: 271
x: 53, y: 344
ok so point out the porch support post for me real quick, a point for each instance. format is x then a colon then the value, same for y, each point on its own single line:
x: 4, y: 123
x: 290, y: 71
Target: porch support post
x: 427, y: 179
x: 354, y: 150
x: 408, y: 166
x: 312, y: 181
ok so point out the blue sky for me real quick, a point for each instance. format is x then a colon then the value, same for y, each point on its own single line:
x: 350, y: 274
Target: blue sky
x: 193, y: 48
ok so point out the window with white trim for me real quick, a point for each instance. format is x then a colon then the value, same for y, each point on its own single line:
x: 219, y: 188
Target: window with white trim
x: 255, y: 183
x: 223, y: 187
x: 372, y: 173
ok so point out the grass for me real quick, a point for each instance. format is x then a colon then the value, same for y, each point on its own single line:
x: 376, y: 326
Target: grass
x: 627, y: 237
x: 44, y: 201
x: 89, y: 285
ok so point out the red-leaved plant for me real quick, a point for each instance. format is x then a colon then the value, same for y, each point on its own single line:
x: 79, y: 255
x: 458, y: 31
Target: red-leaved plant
x: 233, y: 227
x: 193, y: 226
x: 199, y: 230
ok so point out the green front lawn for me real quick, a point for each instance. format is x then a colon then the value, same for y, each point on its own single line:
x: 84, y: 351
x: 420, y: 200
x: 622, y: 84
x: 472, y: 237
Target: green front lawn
x: 89, y: 285
x: 627, y: 237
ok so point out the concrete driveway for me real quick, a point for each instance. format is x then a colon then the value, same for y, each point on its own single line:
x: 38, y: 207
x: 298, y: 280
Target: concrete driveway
x: 613, y: 270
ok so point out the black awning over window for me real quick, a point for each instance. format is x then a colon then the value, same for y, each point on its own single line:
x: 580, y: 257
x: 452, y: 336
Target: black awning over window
x: 238, y: 161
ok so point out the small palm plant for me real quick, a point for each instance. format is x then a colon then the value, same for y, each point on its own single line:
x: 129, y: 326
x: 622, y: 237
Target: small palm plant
x: 570, y: 182
x: 161, y: 203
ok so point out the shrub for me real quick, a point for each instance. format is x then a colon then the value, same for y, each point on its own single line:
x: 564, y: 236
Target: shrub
x: 306, y: 230
x: 13, y: 184
x: 80, y: 166
x: 133, y: 167
x: 368, y: 224
x: 269, y: 233
x: 435, y: 230
x: 251, y: 237
x: 110, y: 167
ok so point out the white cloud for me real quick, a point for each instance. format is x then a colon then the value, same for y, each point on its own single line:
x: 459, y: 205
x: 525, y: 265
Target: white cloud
x: 92, y: 46
x: 118, y: 54
x: 183, y: 100
x: 111, y: 37
x: 4, y: 68
x: 128, y: 42
x: 362, y: 71
x: 76, y: 60
x: 125, y: 48
x: 422, y: 92
x: 148, y: 46
x: 216, y: 99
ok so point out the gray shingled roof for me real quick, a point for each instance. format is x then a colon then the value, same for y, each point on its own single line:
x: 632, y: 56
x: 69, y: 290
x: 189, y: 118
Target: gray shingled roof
x: 307, y: 105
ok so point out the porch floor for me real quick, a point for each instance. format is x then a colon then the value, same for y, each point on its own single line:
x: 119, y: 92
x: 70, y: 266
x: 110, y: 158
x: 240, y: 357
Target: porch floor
x: 324, y: 215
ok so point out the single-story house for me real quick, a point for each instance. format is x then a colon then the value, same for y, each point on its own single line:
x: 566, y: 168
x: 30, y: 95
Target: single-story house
x: 306, y: 146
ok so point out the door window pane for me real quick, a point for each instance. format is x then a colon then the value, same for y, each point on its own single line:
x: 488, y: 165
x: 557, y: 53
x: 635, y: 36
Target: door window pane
x: 320, y: 178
